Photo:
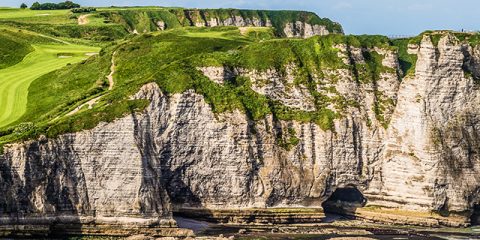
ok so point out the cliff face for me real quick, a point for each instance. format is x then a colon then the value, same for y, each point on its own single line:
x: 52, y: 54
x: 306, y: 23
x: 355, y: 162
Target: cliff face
x: 105, y: 174
x: 432, y: 137
x: 419, y: 154
x: 286, y: 23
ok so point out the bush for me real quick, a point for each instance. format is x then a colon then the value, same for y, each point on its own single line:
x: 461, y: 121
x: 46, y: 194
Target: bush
x: 83, y: 10
x: 54, y: 6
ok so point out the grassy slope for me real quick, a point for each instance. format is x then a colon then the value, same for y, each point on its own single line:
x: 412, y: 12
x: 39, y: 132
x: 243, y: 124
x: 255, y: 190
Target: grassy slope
x: 144, y: 20
x: 15, y: 80
x: 36, y: 16
x: 60, y: 24
x: 77, y: 83
x: 27, y: 13
x: 9, y: 42
x: 16, y: 44
x: 170, y: 59
x: 46, y: 113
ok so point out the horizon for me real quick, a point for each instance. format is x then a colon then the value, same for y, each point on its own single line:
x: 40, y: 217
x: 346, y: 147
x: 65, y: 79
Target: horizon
x: 408, y: 18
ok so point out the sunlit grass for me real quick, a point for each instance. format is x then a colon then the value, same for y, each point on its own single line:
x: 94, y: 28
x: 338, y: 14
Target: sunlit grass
x: 15, y: 80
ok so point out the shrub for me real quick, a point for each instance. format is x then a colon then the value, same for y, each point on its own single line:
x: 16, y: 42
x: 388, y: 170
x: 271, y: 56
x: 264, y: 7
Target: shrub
x: 83, y: 10
x: 54, y: 6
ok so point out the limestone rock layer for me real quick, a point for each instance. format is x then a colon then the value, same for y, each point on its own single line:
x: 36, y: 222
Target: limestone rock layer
x: 422, y: 159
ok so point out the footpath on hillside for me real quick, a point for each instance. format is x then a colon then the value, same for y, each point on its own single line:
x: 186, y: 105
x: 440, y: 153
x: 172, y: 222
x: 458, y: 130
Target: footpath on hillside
x: 93, y: 101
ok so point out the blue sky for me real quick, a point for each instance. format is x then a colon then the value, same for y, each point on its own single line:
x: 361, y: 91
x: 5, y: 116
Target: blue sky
x: 387, y: 17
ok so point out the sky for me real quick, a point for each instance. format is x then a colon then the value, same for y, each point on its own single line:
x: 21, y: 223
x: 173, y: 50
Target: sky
x: 385, y: 17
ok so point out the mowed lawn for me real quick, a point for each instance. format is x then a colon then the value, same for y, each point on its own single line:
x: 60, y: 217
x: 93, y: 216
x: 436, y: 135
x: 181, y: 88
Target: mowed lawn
x: 6, y: 13
x: 15, y: 80
x: 36, y: 16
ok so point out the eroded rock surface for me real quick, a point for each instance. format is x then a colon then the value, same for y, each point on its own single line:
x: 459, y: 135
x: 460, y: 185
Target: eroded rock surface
x: 421, y: 156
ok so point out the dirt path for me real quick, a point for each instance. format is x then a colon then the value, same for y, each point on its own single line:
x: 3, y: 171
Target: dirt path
x: 93, y: 101
x: 243, y: 30
x: 83, y: 19
x: 112, y: 71
x: 90, y: 104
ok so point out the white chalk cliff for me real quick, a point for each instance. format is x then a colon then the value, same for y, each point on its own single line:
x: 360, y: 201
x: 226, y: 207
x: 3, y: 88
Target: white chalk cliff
x: 178, y: 154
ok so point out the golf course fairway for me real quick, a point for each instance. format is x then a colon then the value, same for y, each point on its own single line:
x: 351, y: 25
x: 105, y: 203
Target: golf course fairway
x: 15, y: 80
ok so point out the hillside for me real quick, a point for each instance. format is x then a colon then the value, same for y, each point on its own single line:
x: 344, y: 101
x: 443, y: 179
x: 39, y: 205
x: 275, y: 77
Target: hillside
x: 115, y: 120
x: 48, y: 112
x: 107, y: 24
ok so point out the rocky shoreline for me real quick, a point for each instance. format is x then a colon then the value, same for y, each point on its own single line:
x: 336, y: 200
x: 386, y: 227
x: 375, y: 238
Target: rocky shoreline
x: 341, y: 228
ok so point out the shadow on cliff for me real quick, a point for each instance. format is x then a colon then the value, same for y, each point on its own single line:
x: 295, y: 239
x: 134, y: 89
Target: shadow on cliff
x: 47, y: 194
x: 475, y: 217
x: 343, y: 204
x: 185, y: 203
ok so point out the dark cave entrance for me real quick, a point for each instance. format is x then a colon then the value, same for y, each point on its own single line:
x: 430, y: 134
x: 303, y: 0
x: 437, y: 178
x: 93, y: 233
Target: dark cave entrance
x: 475, y: 217
x: 344, y: 201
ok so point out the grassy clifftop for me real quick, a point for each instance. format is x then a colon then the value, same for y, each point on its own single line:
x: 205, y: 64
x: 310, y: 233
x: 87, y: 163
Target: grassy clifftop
x: 15, y: 45
x: 147, y: 20
x: 108, y: 24
x: 171, y: 59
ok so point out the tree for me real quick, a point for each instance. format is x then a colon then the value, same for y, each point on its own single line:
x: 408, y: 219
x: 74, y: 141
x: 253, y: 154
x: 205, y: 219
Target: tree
x: 52, y: 6
x: 23, y: 6
x: 68, y: 5
x: 35, y: 6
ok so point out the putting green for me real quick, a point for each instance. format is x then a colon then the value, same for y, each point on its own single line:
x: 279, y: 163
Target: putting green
x: 15, y: 80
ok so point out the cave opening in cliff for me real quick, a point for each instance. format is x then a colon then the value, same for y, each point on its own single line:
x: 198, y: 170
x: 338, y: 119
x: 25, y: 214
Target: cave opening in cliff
x: 475, y: 217
x: 344, y: 201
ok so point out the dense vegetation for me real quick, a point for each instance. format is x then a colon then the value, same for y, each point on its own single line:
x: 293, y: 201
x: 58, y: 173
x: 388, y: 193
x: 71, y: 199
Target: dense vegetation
x: 407, y: 61
x: 83, y: 10
x: 54, y: 6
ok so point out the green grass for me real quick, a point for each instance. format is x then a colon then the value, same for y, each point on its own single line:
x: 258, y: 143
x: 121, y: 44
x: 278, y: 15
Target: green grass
x: 9, y: 13
x: 141, y: 20
x: 170, y: 58
x: 95, y: 34
x: 77, y: 83
x: 36, y: 16
x: 9, y: 42
x: 227, y: 33
x: 260, y: 33
x: 15, y: 80
x: 407, y: 61
x: 16, y: 44
x: 114, y: 8
x: 93, y: 19
x: 145, y: 19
